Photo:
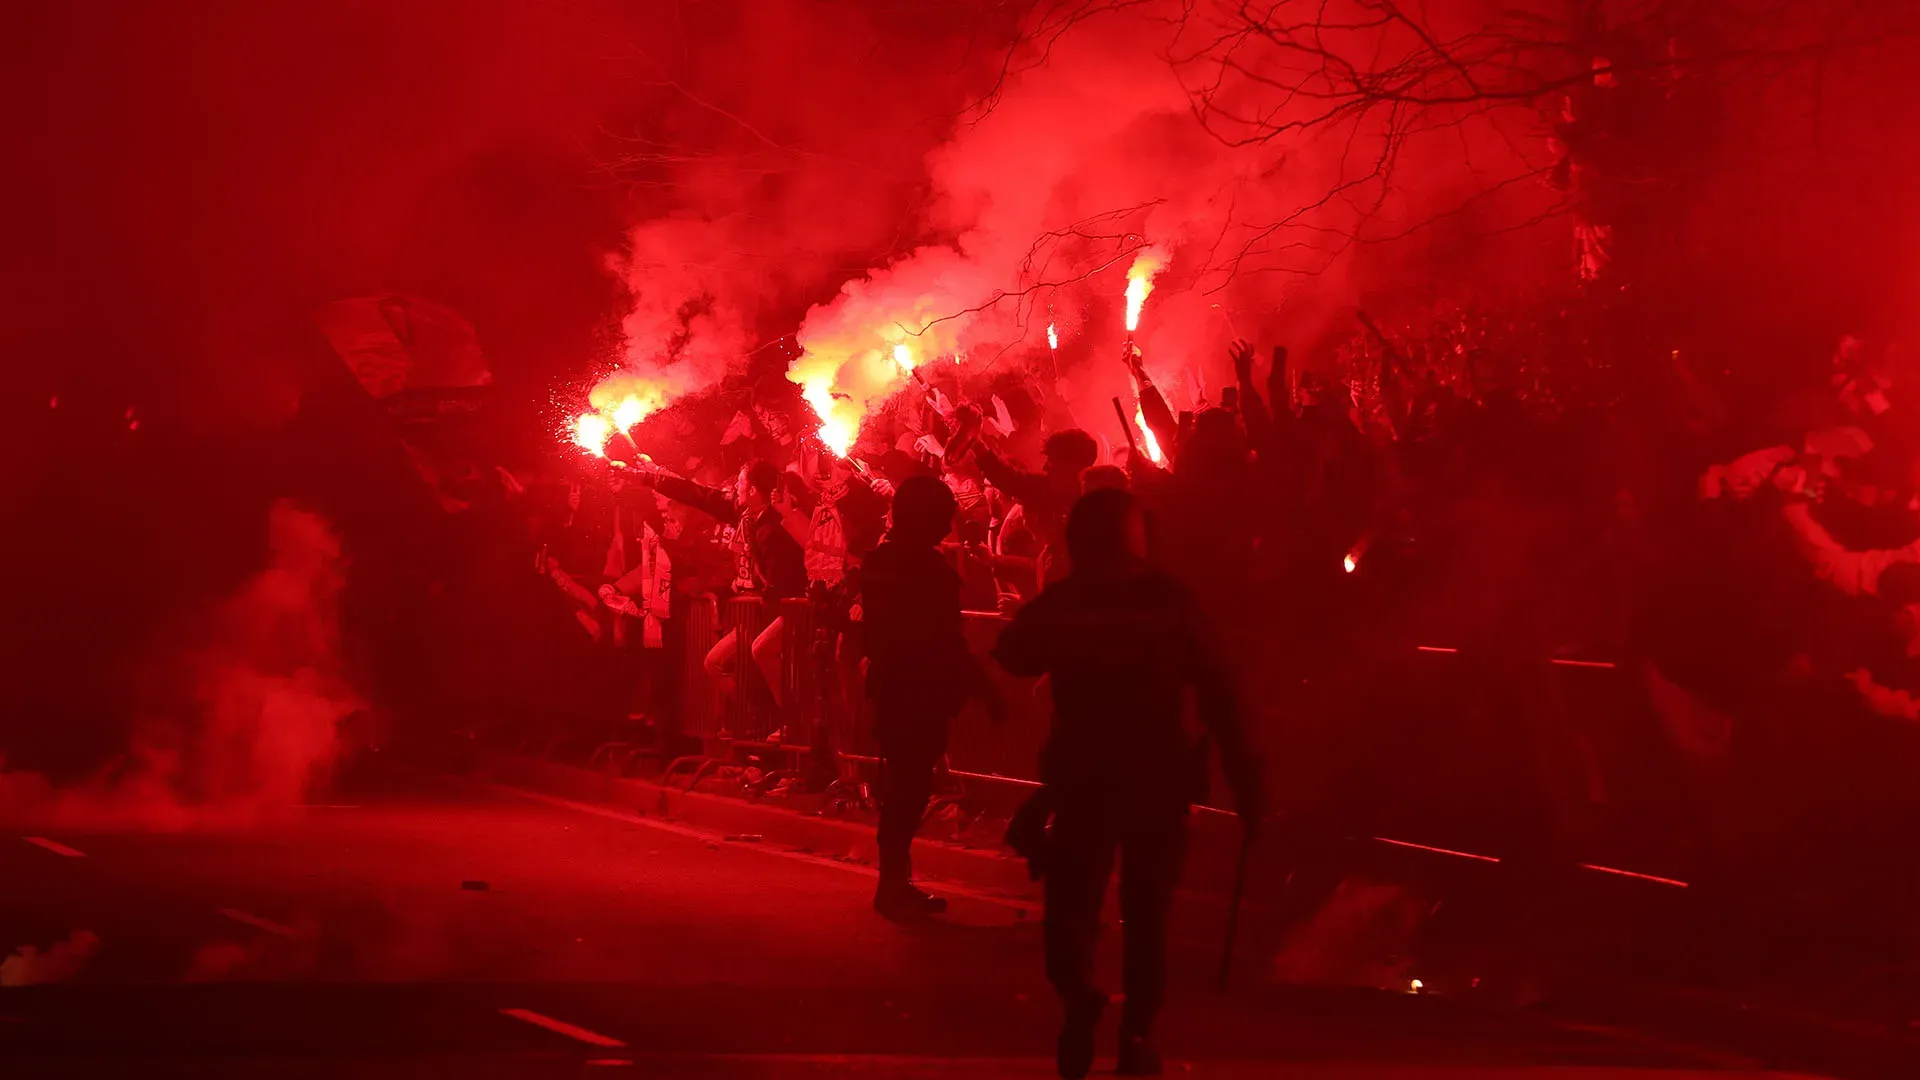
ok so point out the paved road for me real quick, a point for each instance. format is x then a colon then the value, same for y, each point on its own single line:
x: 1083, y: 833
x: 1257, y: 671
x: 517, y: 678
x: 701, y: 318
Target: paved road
x: 341, y: 941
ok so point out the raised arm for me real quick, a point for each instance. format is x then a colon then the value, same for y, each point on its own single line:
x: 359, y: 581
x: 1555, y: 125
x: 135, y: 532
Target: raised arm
x: 710, y: 501
x: 1019, y: 484
x: 1153, y: 407
x: 1253, y: 409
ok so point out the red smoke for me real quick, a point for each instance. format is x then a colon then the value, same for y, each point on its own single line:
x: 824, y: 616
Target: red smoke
x: 1088, y: 155
x: 784, y: 154
x: 241, y: 711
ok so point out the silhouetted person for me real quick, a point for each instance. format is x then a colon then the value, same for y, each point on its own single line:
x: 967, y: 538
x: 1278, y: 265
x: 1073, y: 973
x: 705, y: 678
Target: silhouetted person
x: 774, y: 566
x: 921, y: 674
x: 1123, y: 645
x: 1045, y: 496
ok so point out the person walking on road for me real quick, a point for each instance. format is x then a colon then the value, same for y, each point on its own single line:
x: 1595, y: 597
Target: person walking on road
x: 1122, y: 645
x: 920, y: 675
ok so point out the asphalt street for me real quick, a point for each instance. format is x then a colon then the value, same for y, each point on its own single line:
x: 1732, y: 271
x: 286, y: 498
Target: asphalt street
x: 412, y: 925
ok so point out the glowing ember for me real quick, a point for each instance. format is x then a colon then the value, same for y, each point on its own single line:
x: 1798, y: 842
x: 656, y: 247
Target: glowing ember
x: 904, y: 357
x: 591, y: 432
x: 1152, y: 444
x: 1357, y: 552
x: 1140, y: 275
x: 1053, y: 337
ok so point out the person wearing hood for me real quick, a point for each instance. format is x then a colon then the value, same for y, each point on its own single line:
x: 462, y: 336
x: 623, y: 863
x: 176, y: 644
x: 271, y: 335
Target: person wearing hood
x: 1122, y: 644
x: 920, y: 675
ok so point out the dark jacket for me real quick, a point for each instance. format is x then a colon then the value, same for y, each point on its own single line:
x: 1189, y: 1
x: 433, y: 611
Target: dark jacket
x: 1122, y: 651
x: 779, y: 563
x: 1046, y: 499
x: 921, y: 669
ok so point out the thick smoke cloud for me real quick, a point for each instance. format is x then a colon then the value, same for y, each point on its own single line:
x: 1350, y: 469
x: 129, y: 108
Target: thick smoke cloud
x: 784, y: 153
x: 239, y: 712
x: 1087, y: 154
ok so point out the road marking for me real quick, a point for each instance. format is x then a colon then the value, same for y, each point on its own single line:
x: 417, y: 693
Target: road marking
x: 255, y: 921
x: 1435, y: 850
x: 1616, y: 871
x: 593, y: 1038
x: 56, y: 847
x: 875, y: 1059
x: 1655, y: 878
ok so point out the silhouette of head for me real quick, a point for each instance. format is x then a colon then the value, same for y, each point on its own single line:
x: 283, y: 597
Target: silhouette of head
x: 762, y: 477
x: 1104, y: 476
x: 923, y: 509
x: 1215, y: 448
x: 1070, y: 452
x: 1106, y: 531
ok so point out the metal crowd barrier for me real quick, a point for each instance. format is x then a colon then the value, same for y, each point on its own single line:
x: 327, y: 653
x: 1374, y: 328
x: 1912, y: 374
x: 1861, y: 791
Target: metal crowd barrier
x: 977, y: 746
x: 1429, y: 750
x: 821, y: 704
x: 698, y: 708
x: 1416, y: 754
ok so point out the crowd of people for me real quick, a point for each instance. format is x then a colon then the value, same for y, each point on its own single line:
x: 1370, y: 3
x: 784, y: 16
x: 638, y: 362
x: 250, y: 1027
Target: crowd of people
x: 1760, y: 610
x: 1322, y: 523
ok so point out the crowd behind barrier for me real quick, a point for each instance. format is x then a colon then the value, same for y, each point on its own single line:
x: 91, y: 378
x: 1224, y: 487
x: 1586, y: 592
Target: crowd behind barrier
x: 1434, y: 752
x: 1570, y: 763
x: 1525, y: 632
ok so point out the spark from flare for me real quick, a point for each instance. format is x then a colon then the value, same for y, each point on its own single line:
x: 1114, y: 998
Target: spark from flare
x: 1140, y: 277
x: 1146, y: 437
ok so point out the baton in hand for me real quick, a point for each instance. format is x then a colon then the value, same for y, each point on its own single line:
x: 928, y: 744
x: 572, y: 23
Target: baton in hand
x: 1126, y: 428
x: 1233, y: 904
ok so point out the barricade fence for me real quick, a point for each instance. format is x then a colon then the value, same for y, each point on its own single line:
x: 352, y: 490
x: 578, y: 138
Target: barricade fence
x: 1424, y: 750
x: 820, y: 697
x: 1562, y: 760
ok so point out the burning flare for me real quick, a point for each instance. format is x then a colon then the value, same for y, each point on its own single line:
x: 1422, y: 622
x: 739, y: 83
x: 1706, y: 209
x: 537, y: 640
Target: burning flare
x: 837, y: 432
x: 852, y: 359
x: 1140, y: 276
x: 1053, y: 337
x: 591, y: 432
x: 619, y: 402
x: 1147, y: 440
x: 629, y: 412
